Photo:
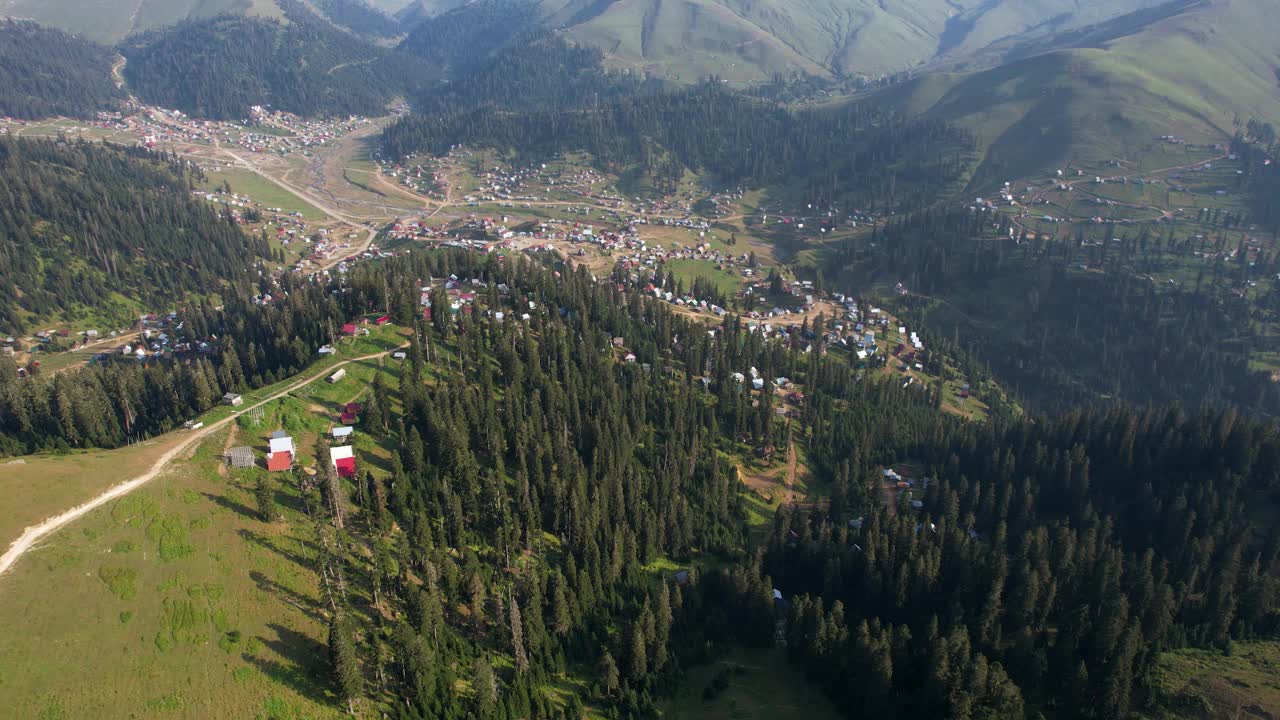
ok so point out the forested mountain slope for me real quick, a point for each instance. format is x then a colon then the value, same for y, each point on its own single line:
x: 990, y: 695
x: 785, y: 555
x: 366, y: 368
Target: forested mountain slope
x: 1064, y: 338
x: 219, y: 68
x: 465, y: 38
x: 545, y: 72
x: 85, y: 224
x: 709, y: 129
x: 46, y: 72
x: 517, y: 519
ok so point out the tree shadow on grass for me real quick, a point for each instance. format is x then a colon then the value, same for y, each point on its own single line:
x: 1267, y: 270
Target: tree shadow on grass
x: 301, y: 663
x: 236, y: 507
x: 264, y: 541
x: 309, y: 606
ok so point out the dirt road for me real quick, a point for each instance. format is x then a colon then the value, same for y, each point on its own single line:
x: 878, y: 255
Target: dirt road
x: 35, y: 533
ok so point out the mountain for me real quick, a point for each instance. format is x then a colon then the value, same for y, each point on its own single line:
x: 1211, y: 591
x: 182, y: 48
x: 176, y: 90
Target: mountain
x: 465, y: 37
x: 90, y: 225
x: 1192, y: 68
x: 220, y: 67
x: 749, y: 40
x: 46, y: 72
x: 110, y: 21
x: 358, y: 17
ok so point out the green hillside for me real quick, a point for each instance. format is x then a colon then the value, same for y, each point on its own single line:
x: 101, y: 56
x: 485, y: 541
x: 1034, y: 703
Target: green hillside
x: 110, y: 21
x: 1178, y: 76
x: 752, y: 39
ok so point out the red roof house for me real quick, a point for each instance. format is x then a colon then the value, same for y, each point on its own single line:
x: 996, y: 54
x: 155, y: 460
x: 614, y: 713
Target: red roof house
x: 354, y: 408
x: 384, y: 320
x: 349, y: 329
x: 344, y: 460
x: 349, y: 418
x: 278, y: 461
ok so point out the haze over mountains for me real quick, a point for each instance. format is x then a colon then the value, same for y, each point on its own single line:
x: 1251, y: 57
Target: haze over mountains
x: 750, y: 39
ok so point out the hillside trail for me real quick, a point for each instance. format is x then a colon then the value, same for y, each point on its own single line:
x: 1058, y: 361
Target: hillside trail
x: 117, y: 71
x: 35, y: 533
x: 226, y: 448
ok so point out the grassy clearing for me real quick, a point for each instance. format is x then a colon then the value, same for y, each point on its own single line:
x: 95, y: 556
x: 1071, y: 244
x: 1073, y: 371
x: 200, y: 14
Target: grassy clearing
x: 687, y: 270
x: 761, y: 686
x: 1208, y: 684
x: 176, y: 601
x: 40, y: 486
x: 261, y: 191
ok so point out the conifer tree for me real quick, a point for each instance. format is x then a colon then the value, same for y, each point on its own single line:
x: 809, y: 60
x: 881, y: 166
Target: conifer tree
x: 344, y: 661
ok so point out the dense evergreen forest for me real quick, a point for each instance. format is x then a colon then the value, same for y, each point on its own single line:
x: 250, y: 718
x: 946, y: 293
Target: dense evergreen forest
x: 219, y: 68
x: 1051, y: 561
x: 46, y: 72
x: 1258, y: 148
x: 464, y: 38
x: 1077, y: 321
x: 853, y: 153
x: 81, y: 221
x: 536, y: 478
x: 542, y: 73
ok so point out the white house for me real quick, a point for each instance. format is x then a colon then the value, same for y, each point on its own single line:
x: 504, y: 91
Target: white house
x: 342, y: 432
x: 280, y: 442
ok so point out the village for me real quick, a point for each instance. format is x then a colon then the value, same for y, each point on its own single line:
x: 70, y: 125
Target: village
x: 700, y: 250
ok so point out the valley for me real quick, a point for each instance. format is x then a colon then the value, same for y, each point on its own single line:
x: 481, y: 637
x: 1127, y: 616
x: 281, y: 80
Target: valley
x: 631, y: 360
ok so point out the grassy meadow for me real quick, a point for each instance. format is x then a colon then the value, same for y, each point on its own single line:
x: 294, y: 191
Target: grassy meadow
x: 177, y: 601
x: 1193, y: 683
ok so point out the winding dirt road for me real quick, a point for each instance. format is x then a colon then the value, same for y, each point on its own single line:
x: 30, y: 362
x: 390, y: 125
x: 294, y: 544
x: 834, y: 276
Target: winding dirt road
x: 35, y: 533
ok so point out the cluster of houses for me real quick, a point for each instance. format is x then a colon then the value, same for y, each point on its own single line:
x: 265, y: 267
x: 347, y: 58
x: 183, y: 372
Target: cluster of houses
x: 427, y: 181
x: 282, y: 453
x: 160, y: 336
x: 302, y: 134
x: 906, y: 487
x: 155, y: 125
